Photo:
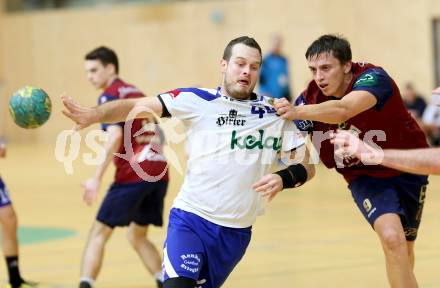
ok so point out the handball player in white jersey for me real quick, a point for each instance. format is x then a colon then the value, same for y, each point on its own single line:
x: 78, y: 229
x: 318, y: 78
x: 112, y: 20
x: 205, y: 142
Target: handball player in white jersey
x: 233, y: 139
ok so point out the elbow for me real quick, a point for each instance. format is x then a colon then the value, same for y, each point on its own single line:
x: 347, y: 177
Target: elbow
x: 341, y: 113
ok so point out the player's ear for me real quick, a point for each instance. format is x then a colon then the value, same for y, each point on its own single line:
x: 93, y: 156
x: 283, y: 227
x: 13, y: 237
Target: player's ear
x: 347, y: 67
x: 111, y: 68
x: 223, y: 65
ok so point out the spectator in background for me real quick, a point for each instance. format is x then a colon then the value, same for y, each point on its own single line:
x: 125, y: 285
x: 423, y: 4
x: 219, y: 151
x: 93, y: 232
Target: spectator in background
x: 274, y: 75
x: 431, y: 118
x: 413, y: 101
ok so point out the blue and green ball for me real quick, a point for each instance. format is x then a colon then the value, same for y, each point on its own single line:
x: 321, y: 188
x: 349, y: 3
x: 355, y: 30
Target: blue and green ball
x: 30, y: 107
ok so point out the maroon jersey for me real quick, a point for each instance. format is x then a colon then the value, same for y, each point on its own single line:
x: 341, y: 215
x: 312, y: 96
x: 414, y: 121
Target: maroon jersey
x: 145, y: 154
x: 388, y: 115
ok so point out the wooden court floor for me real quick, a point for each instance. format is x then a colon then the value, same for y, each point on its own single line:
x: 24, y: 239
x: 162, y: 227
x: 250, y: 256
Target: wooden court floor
x: 310, y: 237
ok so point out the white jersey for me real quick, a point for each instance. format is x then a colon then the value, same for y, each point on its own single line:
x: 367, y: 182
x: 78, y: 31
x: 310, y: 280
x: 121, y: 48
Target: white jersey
x: 230, y: 144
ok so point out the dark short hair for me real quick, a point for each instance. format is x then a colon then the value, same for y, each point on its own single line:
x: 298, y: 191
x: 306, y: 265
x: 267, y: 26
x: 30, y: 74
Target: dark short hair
x: 333, y: 44
x: 248, y: 41
x: 105, y: 55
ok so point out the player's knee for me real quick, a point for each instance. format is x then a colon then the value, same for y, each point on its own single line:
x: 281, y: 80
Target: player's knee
x: 134, y: 239
x: 8, y: 216
x: 100, y: 233
x: 179, y: 282
x: 393, y: 240
x: 136, y: 236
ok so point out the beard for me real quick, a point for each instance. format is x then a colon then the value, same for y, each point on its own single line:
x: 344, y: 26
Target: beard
x: 235, y: 91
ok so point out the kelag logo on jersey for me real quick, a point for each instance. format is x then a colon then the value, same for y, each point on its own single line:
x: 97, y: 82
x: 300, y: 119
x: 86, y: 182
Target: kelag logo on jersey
x: 261, y: 109
x: 233, y: 118
x: 260, y: 142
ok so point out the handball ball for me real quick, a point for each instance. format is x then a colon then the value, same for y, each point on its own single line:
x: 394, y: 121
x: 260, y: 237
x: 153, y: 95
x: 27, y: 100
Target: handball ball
x: 30, y: 107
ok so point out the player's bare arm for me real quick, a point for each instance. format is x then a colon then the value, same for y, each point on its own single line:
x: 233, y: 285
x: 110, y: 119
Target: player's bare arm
x: 111, y: 112
x: 417, y: 161
x: 333, y: 111
x: 91, y: 186
x: 293, y: 176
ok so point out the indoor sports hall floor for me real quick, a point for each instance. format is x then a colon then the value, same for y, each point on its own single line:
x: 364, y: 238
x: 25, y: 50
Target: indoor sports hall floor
x: 309, y: 238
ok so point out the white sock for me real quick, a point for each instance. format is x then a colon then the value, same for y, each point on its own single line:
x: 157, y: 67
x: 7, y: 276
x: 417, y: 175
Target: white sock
x: 88, y: 280
x: 159, y: 276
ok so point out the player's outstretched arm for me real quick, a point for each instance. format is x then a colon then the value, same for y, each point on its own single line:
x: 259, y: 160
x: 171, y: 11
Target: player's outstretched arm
x: 293, y: 176
x: 111, y: 112
x: 417, y: 161
x: 332, y: 111
x: 91, y: 185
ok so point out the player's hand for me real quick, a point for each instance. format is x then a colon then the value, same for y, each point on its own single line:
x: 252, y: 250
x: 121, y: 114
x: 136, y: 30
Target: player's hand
x: 2, y: 150
x: 285, y: 109
x: 348, y: 144
x: 82, y: 116
x: 91, y: 190
x: 269, y: 185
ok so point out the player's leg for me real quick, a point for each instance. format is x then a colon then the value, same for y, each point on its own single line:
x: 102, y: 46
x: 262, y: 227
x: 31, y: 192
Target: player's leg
x: 94, y: 253
x: 180, y: 282
x: 379, y: 200
x: 411, y: 197
x: 225, y: 248
x: 184, y: 254
x: 137, y: 236
x: 411, y: 254
x: 412, y: 190
x: 392, y: 237
x: 222, y: 248
x: 112, y: 213
x: 8, y: 219
x: 148, y: 210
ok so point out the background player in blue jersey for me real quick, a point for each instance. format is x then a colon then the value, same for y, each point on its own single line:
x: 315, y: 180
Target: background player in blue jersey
x: 8, y: 220
x: 364, y: 99
x: 234, y: 137
x: 130, y: 201
x: 418, y: 161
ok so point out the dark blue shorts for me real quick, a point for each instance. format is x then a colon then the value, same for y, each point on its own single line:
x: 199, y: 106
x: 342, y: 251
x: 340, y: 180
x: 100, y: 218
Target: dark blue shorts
x: 141, y: 203
x: 201, y: 250
x: 403, y: 195
x: 5, y: 200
